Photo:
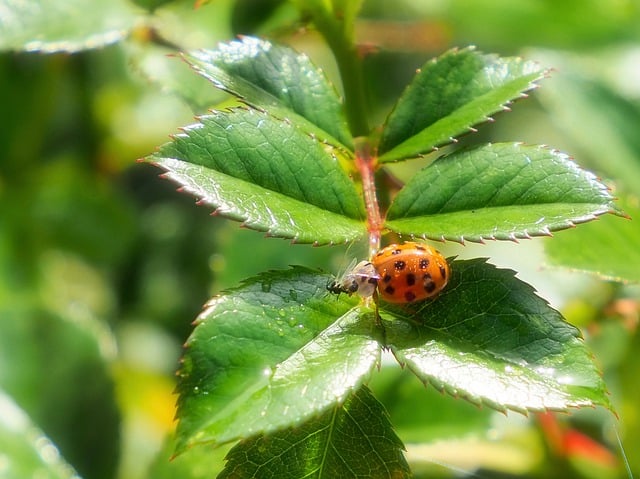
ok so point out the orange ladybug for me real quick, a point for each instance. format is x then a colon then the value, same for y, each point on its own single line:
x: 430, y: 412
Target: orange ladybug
x: 401, y: 273
x: 410, y: 272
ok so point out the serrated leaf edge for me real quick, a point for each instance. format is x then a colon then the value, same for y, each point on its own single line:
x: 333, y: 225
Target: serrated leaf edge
x: 427, y: 380
x: 527, y: 235
x: 218, y: 211
x: 472, y: 128
x: 298, y: 120
x: 244, y: 222
x: 513, y: 237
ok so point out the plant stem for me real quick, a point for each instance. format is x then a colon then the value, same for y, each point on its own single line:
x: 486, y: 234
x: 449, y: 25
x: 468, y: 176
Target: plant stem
x: 350, y: 67
x: 349, y: 64
x: 338, y: 34
x: 365, y: 162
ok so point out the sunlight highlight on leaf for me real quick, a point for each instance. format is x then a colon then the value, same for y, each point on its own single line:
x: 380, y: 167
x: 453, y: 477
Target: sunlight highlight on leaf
x: 489, y: 339
x: 255, y: 168
x: 502, y: 191
x: 275, y: 77
x: 271, y: 354
x: 450, y: 95
x: 63, y: 26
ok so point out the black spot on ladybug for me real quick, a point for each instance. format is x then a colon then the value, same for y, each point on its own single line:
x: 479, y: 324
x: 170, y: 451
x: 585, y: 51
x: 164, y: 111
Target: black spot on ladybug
x: 424, y: 263
x: 389, y: 290
x: 411, y: 279
x: 409, y: 296
x: 429, y: 286
x: 399, y: 265
x: 387, y: 278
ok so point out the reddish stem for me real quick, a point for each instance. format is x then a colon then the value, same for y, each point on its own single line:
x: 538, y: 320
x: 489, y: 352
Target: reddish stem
x: 366, y: 162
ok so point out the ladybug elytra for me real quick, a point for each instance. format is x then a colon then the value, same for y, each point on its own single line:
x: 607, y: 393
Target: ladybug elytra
x: 410, y: 272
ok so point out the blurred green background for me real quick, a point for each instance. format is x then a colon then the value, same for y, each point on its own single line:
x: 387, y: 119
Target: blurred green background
x: 103, y: 266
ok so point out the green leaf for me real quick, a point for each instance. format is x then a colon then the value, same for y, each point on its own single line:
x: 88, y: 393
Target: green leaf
x: 271, y: 354
x: 502, y: 191
x: 26, y: 451
x: 278, y: 79
x: 490, y: 339
x: 607, y: 248
x: 448, y: 96
x: 63, y: 25
x: 255, y: 168
x: 61, y: 392
x: 353, y: 439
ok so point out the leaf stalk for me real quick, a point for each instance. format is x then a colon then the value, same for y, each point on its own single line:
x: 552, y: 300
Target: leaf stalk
x: 366, y: 162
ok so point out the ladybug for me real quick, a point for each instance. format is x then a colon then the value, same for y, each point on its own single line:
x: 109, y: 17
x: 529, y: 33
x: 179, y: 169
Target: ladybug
x: 410, y: 272
x: 362, y: 279
x: 402, y: 273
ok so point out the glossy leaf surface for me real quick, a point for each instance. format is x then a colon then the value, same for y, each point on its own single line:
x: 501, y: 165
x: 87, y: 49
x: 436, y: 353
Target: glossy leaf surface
x: 353, y: 439
x: 63, y: 25
x: 265, y: 172
x: 448, y: 96
x: 271, y: 354
x: 490, y: 339
x: 274, y: 77
x: 501, y: 191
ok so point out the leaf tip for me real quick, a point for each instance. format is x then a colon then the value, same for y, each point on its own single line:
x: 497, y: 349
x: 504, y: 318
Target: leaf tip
x: 620, y: 213
x: 513, y: 238
x: 547, y: 232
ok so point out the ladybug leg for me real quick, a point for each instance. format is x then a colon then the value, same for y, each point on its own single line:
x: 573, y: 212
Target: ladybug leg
x: 378, y: 320
x: 377, y: 311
